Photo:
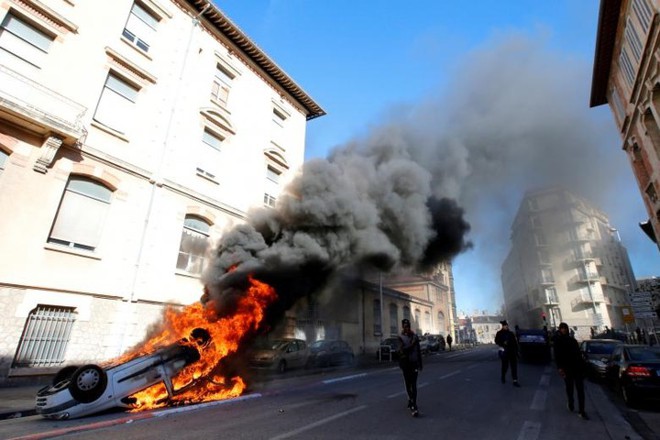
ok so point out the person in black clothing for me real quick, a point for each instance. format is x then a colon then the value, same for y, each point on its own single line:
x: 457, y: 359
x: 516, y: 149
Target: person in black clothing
x: 508, y: 343
x: 449, y: 341
x: 571, y: 367
x: 410, y: 361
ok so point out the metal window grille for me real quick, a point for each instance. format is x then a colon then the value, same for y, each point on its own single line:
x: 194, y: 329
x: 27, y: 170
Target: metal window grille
x: 45, y: 337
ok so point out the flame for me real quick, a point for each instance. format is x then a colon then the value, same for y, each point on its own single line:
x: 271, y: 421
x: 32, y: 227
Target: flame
x: 199, y: 381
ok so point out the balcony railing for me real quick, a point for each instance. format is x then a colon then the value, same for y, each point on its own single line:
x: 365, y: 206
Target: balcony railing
x: 588, y: 277
x: 585, y: 298
x: 37, y: 106
x: 546, y: 280
x: 551, y: 299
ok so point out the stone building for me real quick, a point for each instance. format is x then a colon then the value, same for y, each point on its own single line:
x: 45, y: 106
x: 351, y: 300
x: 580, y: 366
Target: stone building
x: 566, y: 263
x: 132, y: 133
x: 626, y: 75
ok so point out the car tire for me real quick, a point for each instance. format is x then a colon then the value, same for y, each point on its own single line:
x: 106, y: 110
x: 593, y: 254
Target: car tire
x: 281, y: 367
x: 628, y: 396
x: 64, y: 374
x: 88, y: 383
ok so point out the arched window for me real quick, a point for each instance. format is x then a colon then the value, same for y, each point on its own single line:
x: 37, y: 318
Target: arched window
x: 194, y: 242
x: 406, y: 313
x: 418, y: 320
x: 427, y: 321
x: 81, y: 214
x: 441, y: 322
x: 394, y: 319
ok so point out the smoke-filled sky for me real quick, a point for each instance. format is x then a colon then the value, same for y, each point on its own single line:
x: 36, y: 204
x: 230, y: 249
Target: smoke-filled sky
x: 490, y: 98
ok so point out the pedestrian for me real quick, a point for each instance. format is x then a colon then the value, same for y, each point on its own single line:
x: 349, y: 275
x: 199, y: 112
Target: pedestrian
x: 410, y: 361
x: 638, y: 334
x: 449, y: 341
x: 571, y: 367
x: 508, y: 352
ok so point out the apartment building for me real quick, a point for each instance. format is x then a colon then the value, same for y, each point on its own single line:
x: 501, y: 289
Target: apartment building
x: 132, y: 134
x: 566, y: 263
x: 626, y: 75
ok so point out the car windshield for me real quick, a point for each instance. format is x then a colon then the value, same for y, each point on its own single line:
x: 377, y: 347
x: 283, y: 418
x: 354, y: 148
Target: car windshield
x: 271, y: 345
x: 532, y: 338
x: 601, y: 347
x: 318, y: 344
x: 644, y: 354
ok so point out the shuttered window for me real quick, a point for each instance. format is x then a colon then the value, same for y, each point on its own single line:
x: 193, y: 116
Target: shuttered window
x: 22, y: 44
x: 141, y: 27
x: 116, y: 106
x: 45, y: 337
x: 81, y: 215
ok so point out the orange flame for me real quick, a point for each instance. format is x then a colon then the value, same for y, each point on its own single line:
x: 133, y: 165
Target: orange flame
x: 226, y: 335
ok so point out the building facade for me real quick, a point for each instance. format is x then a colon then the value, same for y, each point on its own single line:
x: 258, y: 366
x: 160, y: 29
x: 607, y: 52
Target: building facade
x: 626, y: 75
x: 483, y: 328
x: 566, y: 263
x: 132, y: 133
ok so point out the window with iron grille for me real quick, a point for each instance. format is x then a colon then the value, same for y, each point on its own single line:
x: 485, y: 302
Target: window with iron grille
x: 45, y: 337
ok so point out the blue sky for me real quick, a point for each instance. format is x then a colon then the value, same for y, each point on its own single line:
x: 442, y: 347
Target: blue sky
x: 517, y: 71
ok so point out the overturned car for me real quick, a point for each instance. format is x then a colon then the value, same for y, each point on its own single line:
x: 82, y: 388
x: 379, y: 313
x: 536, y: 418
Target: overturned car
x: 78, y: 391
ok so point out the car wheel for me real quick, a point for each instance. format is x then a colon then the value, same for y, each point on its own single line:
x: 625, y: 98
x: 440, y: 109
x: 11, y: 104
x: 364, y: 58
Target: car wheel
x: 88, y: 383
x: 281, y: 367
x: 628, y: 396
x: 64, y: 374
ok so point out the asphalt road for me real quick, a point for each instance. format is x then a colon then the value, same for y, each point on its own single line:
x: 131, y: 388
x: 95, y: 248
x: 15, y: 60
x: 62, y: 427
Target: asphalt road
x: 460, y: 396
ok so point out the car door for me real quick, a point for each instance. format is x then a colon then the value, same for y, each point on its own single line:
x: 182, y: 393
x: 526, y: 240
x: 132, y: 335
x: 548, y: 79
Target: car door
x: 614, y: 365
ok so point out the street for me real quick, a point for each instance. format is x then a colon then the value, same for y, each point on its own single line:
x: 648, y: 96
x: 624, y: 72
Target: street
x: 460, y: 396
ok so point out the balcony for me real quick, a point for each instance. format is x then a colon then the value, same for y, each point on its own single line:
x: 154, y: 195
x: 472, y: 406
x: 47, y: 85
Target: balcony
x: 32, y: 106
x: 550, y: 299
x: 586, y: 299
x: 588, y: 277
x: 546, y: 280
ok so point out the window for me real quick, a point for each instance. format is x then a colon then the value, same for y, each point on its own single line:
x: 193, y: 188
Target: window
x: 627, y: 67
x: 643, y: 12
x: 45, y: 337
x: 441, y: 322
x: 222, y: 85
x: 194, y: 241
x: 273, y: 174
x: 427, y: 320
x: 394, y: 319
x: 377, y: 318
x: 418, y: 319
x: 209, y: 159
x: 141, y: 27
x: 81, y: 214
x: 406, y: 313
x: 3, y: 161
x: 21, y: 44
x: 269, y: 200
x: 278, y: 118
x: 116, y: 105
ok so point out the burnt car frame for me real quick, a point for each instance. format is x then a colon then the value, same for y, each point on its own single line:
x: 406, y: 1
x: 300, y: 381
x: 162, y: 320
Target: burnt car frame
x: 77, y: 391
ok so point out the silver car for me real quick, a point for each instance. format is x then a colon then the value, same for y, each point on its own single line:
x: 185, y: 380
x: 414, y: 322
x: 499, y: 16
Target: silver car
x: 80, y: 391
x: 280, y: 354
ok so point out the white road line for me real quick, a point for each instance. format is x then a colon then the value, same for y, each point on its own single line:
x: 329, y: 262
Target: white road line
x: 318, y: 423
x: 187, y: 408
x: 545, y: 380
x: 392, y: 396
x: 538, y: 402
x: 340, y: 379
x: 422, y: 385
x: 450, y: 374
x: 529, y: 431
x: 472, y: 366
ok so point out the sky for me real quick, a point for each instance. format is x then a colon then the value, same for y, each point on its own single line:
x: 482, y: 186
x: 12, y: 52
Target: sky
x: 493, y: 96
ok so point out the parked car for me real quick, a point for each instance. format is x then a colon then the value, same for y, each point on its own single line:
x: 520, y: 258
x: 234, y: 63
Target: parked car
x: 534, y: 345
x: 434, y: 342
x: 596, y: 353
x: 633, y: 371
x: 279, y: 355
x: 326, y: 353
x: 388, y: 349
x: 78, y: 391
x: 424, y: 344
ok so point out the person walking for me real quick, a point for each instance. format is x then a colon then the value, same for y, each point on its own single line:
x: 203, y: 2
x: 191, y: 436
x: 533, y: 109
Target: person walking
x: 449, y: 341
x: 410, y: 361
x: 508, y: 352
x: 571, y: 367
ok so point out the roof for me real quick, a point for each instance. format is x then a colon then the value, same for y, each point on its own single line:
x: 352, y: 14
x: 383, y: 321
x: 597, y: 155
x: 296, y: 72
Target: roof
x: 608, y: 21
x: 251, y: 51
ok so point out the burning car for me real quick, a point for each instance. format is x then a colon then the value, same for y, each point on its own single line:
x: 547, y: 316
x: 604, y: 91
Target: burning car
x: 80, y: 391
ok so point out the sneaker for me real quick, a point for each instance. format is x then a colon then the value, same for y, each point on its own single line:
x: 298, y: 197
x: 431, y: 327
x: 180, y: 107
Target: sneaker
x: 583, y: 415
x: 414, y: 411
x: 570, y: 407
x: 516, y: 384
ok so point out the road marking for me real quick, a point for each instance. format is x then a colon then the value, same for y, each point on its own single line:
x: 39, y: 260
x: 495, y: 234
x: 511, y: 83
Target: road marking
x: 422, y: 385
x: 187, y: 408
x: 538, y: 402
x: 318, y: 423
x: 545, y: 380
x: 450, y: 374
x: 391, y: 396
x: 472, y: 366
x: 529, y: 431
x: 340, y: 379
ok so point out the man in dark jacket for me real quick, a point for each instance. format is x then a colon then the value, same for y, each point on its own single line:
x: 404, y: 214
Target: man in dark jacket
x: 508, y: 344
x: 410, y: 361
x: 571, y: 367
